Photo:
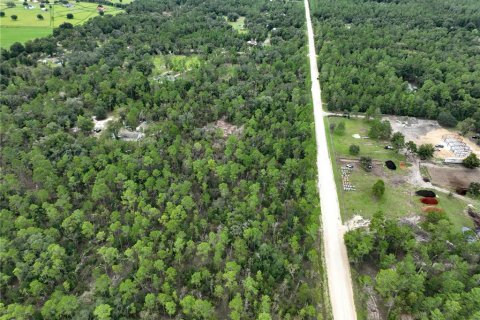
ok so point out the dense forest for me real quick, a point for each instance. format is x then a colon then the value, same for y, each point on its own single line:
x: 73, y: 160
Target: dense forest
x: 425, y: 271
x: 187, y: 223
x: 405, y: 57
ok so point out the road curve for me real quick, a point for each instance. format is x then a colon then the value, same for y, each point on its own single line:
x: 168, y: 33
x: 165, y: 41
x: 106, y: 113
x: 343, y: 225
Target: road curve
x: 338, y: 268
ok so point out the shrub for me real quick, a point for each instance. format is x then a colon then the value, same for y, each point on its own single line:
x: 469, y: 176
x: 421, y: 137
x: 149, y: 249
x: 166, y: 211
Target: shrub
x: 66, y: 25
x: 69, y: 16
x: 2, y: 14
x: 232, y: 17
x: 340, y: 130
x: 471, y: 161
x: 378, y: 188
x: 14, y: 17
x: 354, y: 150
x: 101, y: 13
x: 11, y: 4
x: 380, y: 129
x: 398, y: 141
x: 100, y: 113
x: 411, y: 146
x: 366, y: 163
x: 425, y: 151
x: 446, y: 119
x: 85, y: 124
x: 39, y: 17
x: 474, y: 189
x: 25, y: 3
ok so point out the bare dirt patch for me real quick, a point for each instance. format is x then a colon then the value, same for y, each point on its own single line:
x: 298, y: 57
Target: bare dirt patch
x: 101, y: 125
x: 452, y: 177
x: 423, y: 131
x: 357, y: 222
x: 227, y: 128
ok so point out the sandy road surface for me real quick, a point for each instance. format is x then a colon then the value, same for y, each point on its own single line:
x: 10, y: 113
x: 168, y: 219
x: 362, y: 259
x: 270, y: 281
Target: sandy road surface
x: 338, y: 268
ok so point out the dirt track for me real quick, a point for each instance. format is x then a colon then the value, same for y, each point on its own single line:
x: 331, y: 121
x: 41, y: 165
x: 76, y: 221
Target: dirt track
x: 338, y: 268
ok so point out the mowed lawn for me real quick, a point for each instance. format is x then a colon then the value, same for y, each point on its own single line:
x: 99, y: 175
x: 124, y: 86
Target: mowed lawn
x: 28, y: 26
x: 368, y: 147
x: 399, y: 199
x: 9, y: 36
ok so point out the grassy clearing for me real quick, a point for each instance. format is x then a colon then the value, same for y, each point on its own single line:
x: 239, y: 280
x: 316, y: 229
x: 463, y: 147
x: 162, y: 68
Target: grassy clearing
x: 177, y: 63
x: 238, y: 25
x: 399, y: 199
x: 368, y: 147
x: 8, y: 35
x: 52, y: 18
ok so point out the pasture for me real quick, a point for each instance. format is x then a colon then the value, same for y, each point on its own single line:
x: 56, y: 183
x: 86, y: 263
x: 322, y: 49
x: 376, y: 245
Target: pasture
x: 10, y: 35
x: 33, y: 22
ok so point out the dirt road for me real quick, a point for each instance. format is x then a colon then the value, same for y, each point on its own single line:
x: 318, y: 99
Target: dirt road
x: 338, y: 269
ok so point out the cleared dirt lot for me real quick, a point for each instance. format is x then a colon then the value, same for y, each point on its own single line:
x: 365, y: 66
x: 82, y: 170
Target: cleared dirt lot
x: 423, y: 131
x: 452, y: 177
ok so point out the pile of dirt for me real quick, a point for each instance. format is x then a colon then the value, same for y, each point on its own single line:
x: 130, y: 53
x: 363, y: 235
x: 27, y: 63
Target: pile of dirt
x: 403, y: 166
x: 426, y: 193
x: 431, y: 209
x: 390, y: 165
x: 428, y: 200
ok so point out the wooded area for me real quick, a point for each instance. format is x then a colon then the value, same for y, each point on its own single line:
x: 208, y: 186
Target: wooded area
x: 427, y: 271
x: 404, y: 57
x: 186, y: 223
x: 416, y: 58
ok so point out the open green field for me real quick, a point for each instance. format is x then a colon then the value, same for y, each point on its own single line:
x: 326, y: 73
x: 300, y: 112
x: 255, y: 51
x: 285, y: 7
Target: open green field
x: 9, y: 35
x: 177, y: 63
x: 28, y: 26
x: 399, y: 199
x: 238, y: 25
x: 368, y: 147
